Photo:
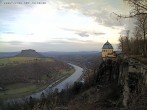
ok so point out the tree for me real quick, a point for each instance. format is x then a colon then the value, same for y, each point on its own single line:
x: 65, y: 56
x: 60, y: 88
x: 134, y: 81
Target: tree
x: 121, y: 44
x: 138, y: 12
x: 124, y: 44
x: 142, y: 25
x: 140, y: 7
x: 136, y: 40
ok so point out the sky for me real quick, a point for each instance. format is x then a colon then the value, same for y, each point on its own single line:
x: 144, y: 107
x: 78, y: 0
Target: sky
x: 61, y: 25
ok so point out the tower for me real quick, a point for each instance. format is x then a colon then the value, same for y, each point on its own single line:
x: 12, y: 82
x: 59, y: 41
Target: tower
x: 107, y: 51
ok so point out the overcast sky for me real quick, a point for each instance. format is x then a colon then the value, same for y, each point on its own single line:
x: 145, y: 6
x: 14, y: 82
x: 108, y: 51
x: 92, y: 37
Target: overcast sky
x: 60, y: 25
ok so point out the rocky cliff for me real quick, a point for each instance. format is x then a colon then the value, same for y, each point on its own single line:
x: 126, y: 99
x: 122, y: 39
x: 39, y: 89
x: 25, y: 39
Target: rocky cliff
x: 131, y: 76
x: 29, y: 53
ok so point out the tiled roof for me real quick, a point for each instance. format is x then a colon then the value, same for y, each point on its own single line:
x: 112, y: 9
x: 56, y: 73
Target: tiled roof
x: 107, y: 45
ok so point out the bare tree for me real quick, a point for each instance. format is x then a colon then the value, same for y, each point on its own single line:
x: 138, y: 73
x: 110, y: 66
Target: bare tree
x: 137, y: 39
x: 125, y: 43
x: 138, y: 12
x: 121, y: 44
x: 142, y: 25
x: 140, y: 7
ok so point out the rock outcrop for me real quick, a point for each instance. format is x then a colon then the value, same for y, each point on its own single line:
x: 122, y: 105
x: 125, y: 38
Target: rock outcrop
x: 29, y: 53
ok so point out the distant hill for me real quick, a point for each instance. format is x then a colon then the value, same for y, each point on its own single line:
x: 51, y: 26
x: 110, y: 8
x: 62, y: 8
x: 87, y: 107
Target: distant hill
x: 50, y: 53
x: 8, y: 54
x: 55, y: 53
x: 29, y: 53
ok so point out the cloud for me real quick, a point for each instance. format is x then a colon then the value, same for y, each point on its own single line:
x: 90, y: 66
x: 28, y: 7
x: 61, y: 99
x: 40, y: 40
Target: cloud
x: 9, y: 32
x: 56, y: 45
x: 9, y: 9
x: 84, y: 33
x: 100, y: 10
x: 15, y: 43
x: 83, y: 21
x: 100, y: 33
x: 104, y: 17
x: 12, y: 42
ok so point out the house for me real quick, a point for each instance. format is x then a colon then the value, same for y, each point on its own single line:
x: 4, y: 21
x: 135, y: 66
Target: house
x: 107, y: 51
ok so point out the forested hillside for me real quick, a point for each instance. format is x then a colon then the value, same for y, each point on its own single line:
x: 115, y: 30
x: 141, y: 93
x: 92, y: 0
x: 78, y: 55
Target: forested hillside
x: 31, y: 72
x: 82, y: 60
x: 20, y: 76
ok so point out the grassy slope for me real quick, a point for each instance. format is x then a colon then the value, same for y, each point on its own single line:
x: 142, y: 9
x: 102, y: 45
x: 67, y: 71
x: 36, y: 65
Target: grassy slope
x: 21, y: 89
x: 21, y: 59
x: 18, y: 90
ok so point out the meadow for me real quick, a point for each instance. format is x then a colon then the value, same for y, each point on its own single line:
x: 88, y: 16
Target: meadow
x: 16, y: 60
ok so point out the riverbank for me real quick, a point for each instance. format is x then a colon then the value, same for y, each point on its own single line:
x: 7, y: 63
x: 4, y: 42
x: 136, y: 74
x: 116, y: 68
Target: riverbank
x: 24, y: 89
x: 70, y: 80
x: 21, y: 76
x: 59, y: 84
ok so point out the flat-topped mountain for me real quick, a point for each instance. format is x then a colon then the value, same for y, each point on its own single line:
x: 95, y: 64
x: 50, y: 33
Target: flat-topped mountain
x: 29, y: 53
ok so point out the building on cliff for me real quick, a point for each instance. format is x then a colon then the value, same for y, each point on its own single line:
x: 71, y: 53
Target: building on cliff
x: 107, y: 51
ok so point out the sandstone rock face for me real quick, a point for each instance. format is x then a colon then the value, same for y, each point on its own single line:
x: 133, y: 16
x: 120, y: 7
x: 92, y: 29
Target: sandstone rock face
x: 29, y: 53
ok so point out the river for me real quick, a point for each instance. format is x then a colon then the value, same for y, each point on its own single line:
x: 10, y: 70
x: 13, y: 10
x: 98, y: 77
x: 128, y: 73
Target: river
x: 62, y: 85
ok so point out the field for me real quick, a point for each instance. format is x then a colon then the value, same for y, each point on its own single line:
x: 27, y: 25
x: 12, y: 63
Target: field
x: 19, y: 89
x: 16, y: 60
x: 23, y: 89
x: 16, y: 90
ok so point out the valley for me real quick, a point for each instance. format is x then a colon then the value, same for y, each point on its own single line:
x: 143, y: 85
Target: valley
x: 21, y: 75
